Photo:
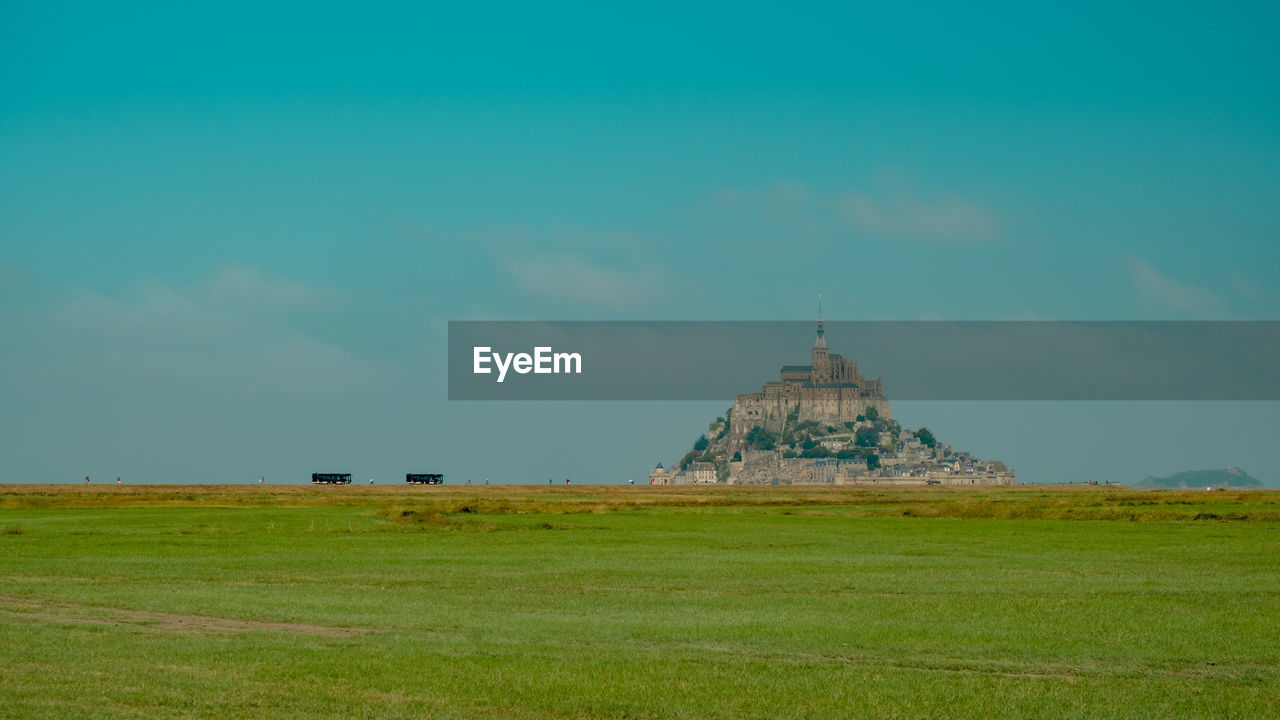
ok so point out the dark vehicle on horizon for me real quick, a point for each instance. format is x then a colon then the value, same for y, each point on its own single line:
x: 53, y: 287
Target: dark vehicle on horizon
x: 331, y: 478
x: 425, y: 478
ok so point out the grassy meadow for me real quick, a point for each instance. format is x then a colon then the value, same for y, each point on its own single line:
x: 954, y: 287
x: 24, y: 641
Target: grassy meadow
x: 637, y: 602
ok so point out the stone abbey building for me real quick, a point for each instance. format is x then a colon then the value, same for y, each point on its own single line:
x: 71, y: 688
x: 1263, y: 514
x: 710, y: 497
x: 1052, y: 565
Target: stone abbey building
x: 829, y: 390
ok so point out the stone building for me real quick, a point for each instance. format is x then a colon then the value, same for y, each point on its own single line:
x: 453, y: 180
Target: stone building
x: 703, y: 473
x: 830, y: 390
x: 660, y: 476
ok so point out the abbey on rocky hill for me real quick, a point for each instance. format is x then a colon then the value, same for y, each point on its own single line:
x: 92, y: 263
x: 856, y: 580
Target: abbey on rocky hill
x: 823, y: 423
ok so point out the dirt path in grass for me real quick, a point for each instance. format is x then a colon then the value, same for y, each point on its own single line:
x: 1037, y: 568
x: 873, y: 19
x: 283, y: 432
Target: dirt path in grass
x: 52, y: 611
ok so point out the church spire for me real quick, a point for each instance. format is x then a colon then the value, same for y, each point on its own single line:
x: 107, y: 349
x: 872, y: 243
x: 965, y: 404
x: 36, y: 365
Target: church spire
x: 821, y: 341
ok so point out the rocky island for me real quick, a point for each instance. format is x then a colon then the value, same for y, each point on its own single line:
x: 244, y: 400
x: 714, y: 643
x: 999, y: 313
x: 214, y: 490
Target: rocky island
x: 823, y: 423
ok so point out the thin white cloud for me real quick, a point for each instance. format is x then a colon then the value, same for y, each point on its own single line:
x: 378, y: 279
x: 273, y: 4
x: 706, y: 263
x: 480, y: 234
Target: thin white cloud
x: 889, y: 210
x: 1160, y: 291
x: 235, y: 330
x: 251, y: 286
x: 574, y: 278
x: 902, y: 215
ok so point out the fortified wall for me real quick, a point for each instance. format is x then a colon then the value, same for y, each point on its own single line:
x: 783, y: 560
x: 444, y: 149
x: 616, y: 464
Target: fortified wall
x: 769, y: 468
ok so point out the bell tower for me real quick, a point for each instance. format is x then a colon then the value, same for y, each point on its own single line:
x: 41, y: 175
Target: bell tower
x: 820, y: 360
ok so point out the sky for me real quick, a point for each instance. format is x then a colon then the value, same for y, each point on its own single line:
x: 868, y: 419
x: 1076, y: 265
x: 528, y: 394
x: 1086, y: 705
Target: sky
x: 231, y: 237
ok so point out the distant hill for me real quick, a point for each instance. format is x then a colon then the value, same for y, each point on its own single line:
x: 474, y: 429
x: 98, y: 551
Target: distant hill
x: 1230, y: 477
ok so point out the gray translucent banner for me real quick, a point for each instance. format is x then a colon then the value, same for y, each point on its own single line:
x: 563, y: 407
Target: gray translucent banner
x: 916, y: 360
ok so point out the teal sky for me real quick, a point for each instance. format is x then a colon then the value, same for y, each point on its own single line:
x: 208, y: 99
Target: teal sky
x: 230, y: 239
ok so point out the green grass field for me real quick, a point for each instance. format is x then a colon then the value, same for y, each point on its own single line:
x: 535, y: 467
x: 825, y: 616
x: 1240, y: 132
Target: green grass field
x: 621, y: 602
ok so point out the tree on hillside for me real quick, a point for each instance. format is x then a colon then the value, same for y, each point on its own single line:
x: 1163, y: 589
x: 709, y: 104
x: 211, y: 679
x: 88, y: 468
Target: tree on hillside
x: 890, y: 426
x: 701, y: 443
x: 872, y: 413
x: 925, y: 436
x: 866, y: 437
x: 761, y: 439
